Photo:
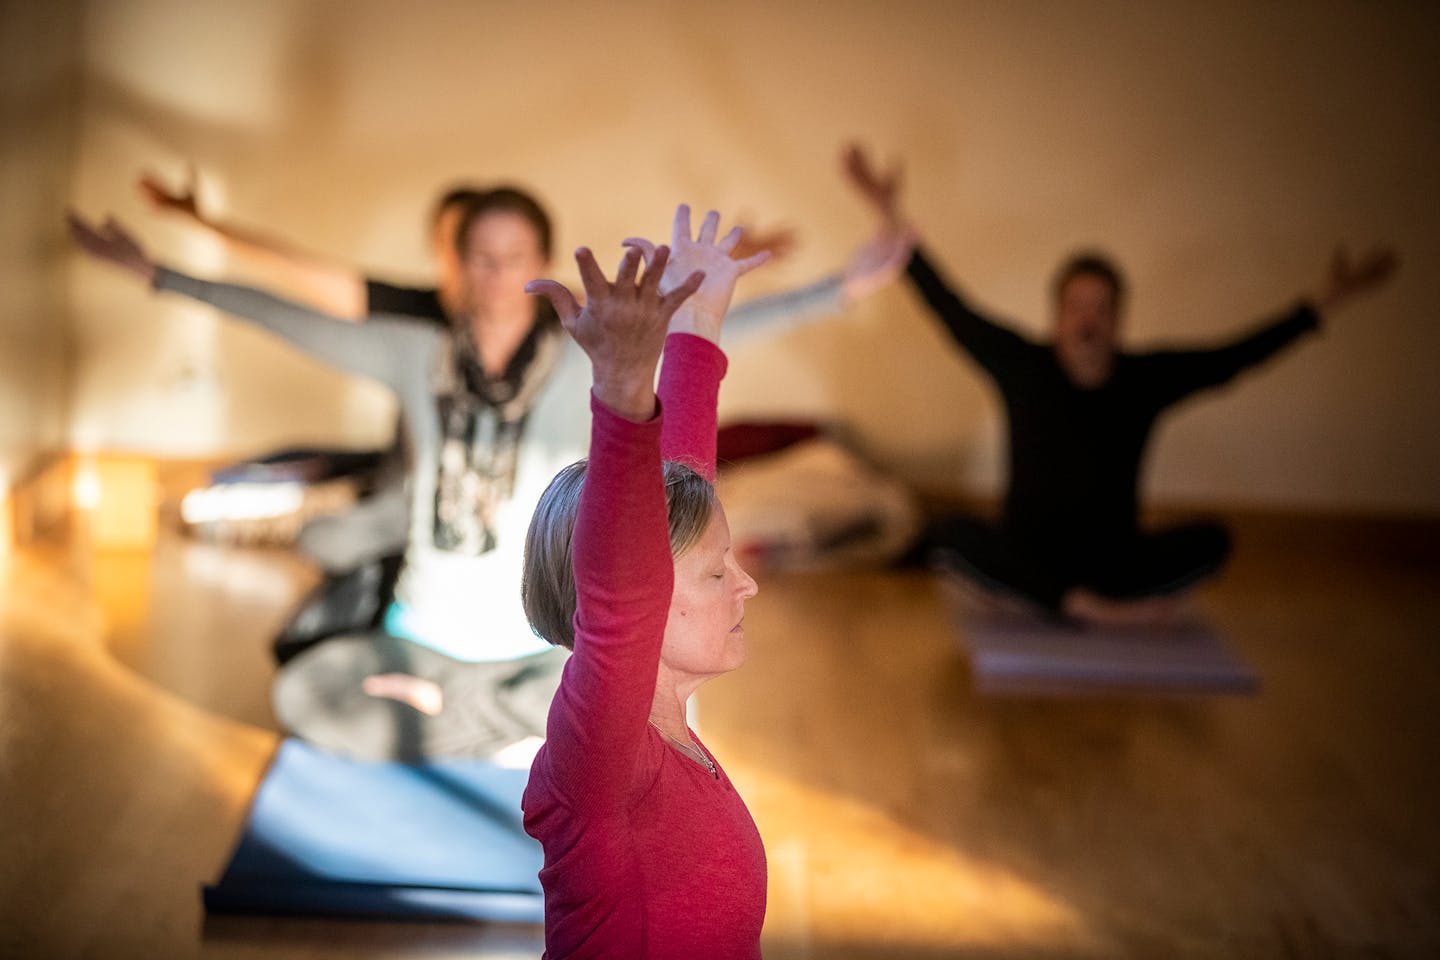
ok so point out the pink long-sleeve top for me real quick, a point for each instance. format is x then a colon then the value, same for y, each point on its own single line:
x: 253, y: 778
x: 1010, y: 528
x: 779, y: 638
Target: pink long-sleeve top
x: 646, y: 853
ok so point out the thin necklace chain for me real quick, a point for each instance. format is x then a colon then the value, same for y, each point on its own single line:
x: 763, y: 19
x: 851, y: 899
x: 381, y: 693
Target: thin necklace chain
x: 690, y: 750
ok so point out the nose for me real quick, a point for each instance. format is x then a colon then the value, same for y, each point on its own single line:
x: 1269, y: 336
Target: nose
x: 748, y: 586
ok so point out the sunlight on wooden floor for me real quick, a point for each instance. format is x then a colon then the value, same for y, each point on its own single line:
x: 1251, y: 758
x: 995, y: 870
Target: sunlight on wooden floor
x: 843, y: 871
x: 904, y: 816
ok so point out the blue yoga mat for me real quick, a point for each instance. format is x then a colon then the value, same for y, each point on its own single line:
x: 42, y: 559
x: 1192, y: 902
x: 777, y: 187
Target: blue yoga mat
x: 331, y: 836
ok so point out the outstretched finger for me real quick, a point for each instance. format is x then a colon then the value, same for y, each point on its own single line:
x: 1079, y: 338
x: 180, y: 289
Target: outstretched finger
x: 629, y: 266
x: 743, y: 267
x: 672, y: 300
x: 646, y: 248
x: 596, y: 286
x: 857, y: 168
x: 680, y: 231
x: 730, y: 240
x: 709, y: 227
x: 559, y: 296
x: 650, y: 282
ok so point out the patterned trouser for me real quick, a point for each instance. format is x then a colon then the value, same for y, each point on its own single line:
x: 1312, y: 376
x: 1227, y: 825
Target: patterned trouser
x: 488, y: 705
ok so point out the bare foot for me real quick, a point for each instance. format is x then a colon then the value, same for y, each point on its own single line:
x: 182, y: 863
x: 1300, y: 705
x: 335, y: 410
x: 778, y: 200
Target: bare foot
x: 520, y: 754
x: 1090, y: 607
x: 424, y: 695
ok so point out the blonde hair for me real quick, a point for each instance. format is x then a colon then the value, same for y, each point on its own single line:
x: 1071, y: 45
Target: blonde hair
x: 547, y: 585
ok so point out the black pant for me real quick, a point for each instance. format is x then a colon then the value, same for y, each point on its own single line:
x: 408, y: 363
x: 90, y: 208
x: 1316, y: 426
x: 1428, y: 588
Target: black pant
x: 1123, y: 566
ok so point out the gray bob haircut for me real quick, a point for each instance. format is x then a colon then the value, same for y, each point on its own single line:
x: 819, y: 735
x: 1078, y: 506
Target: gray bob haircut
x: 547, y: 585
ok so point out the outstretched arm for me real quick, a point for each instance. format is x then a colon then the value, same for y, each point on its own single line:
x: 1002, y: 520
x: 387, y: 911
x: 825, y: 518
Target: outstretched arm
x: 384, y: 350
x: 873, y: 266
x: 1179, y: 373
x: 991, y: 344
x: 334, y: 288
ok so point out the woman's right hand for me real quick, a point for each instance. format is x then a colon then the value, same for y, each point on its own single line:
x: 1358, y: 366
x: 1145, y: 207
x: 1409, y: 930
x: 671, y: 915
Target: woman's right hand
x: 622, y: 326
x: 111, y: 242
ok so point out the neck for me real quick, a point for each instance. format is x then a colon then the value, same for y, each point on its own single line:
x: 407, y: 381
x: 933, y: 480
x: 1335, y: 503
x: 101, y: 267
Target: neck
x: 498, y: 335
x: 452, y: 299
x: 1086, y: 375
x: 668, y: 708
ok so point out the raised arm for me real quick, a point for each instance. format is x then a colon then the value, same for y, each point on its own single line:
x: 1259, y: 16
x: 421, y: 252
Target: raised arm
x: 334, y: 288
x: 991, y: 344
x: 382, y: 350
x: 620, y: 546
x: 690, y: 377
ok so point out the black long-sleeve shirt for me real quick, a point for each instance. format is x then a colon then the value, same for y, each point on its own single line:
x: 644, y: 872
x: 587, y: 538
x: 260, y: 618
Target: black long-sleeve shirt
x: 420, y: 303
x: 1075, y: 454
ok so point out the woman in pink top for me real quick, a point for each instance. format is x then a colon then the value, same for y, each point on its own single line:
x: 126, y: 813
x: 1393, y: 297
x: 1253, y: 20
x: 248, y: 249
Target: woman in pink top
x: 649, y: 851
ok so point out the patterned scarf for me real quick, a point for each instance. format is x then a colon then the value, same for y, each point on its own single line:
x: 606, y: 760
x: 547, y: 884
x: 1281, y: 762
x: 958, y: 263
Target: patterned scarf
x: 482, y: 421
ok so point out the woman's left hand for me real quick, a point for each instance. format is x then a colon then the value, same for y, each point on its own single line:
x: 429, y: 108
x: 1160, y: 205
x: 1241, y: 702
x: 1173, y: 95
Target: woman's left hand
x: 703, y: 313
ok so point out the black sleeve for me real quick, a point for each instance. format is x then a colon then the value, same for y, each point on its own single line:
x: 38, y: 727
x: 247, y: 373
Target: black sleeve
x: 1176, y: 374
x: 991, y: 344
x: 419, y: 303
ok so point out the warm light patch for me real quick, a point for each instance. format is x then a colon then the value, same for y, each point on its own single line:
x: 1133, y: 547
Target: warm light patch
x: 842, y: 871
x: 7, y: 527
x: 241, y: 501
x: 119, y: 498
x: 85, y: 488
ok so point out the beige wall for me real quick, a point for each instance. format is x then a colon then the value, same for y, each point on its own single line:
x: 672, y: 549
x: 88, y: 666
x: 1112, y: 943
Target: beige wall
x: 39, y: 96
x: 1218, y: 149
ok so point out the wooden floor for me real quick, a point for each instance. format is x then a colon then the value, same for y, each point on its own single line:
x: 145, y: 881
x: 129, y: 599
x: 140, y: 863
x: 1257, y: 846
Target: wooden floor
x: 904, y: 816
